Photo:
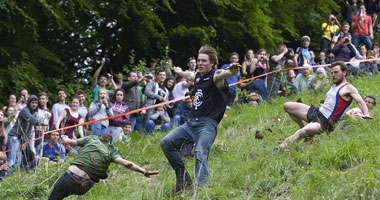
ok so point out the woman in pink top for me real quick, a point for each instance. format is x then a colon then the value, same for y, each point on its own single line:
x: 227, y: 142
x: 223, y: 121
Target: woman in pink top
x: 70, y: 117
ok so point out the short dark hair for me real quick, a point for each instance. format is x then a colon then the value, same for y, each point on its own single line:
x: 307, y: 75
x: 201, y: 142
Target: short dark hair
x: 211, y: 52
x: 79, y: 92
x: 103, y: 75
x: 129, y: 73
x: 342, y: 65
x: 106, y: 136
x: 234, y: 54
x: 372, y: 97
x: 127, y: 124
x: 361, y: 4
x: 43, y: 94
x: 345, y: 23
x: 61, y: 89
x: 158, y: 71
x: 192, y: 58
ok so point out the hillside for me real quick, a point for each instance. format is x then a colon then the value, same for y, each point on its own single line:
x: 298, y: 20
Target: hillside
x: 341, y: 165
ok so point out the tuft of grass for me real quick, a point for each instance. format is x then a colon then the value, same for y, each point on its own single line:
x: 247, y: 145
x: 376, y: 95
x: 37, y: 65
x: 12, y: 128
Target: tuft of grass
x: 340, y: 165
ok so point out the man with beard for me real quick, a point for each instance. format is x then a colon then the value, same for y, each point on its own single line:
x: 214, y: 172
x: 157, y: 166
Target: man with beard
x: 338, y: 99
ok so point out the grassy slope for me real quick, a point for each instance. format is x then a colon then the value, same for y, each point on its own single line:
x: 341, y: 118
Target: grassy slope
x: 344, y: 164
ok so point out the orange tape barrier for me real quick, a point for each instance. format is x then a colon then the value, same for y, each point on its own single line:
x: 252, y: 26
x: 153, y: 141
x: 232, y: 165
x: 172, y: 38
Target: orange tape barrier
x: 175, y: 100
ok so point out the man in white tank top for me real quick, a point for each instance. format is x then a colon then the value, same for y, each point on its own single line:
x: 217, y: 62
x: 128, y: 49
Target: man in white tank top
x: 338, y: 99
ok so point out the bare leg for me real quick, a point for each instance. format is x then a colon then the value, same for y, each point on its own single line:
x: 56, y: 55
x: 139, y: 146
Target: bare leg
x: 297, y: 111
x: 310, y: 129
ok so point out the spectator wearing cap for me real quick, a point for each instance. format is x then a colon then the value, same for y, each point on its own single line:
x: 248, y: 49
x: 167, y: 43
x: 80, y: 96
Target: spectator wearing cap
x: 362, y: 26
x: 302, y: 54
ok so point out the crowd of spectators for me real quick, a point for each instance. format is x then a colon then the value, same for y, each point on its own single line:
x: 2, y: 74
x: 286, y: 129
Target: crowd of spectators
x: 30, y: 117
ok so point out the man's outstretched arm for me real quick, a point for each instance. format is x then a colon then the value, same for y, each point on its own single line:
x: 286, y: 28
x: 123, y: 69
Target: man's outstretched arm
x: 222, y: 74
x: 356, y: 96
x: 134, y: 167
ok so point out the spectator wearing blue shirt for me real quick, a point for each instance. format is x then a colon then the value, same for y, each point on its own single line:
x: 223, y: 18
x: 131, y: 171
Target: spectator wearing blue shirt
x: 182, y: 112
x: 234, y: 58
x: 52, y: 151
x: 303, y: 55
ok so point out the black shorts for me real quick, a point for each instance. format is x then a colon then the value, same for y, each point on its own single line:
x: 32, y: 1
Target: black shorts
x: 314, y: 115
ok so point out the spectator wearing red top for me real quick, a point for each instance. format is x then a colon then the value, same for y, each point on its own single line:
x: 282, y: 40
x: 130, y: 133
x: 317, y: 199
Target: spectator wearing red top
x: 362, y: 26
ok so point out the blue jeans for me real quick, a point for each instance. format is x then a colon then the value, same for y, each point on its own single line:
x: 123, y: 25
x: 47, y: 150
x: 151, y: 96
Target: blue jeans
x: 136, y: 122
x: 362, y: 38
x: 176, y: 121
x: 66, y: 185
x: 150, y: 125
x: 14, y: 156
x: 98, y: 128
x: 259, y: 85
x: 201, y: 131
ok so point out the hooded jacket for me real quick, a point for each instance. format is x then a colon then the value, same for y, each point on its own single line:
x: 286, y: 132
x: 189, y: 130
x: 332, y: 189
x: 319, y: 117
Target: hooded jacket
x: 25, y: 122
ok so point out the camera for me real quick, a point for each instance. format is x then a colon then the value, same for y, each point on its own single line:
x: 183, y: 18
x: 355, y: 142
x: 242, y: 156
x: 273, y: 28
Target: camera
x: 262, y: 57
x: 346, y: 40
x: 288, y: 53
x: 103, y: 98
x: 107, y: 60
x: 149, y: 77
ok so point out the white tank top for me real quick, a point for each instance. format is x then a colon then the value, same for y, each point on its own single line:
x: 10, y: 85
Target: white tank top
x: 334, y: 106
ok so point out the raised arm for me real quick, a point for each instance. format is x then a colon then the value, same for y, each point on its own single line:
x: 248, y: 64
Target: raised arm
x: 187, y: 75
x: 134, y: 167
x: 97, y: 72
x: 222, y: 74
x: 68, y: 141
x: 80, y: 128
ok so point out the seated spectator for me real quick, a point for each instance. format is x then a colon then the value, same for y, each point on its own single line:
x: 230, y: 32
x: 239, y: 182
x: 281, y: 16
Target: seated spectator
x: 61, y: 105
x: 376, y: 50
x: 259, y: 66
x: 291, y: 78
x: 100, y: 109
x: 329, y: 29
x: 248, y: 58
x: 118, y: 107
x: 312, y: 62
x: 125, y: 134
x: 70, y: 117
x: 253, y: 98
x: 3, y: 165
x: 367, y: 68
x: 338, y: 38
x: 320, y: 79
x: 158, y: 121
x: 370, y: 101
x: 304, y: 80
x: 321, y: 60
x: 182, y: 112
x: 51, y: 151
x: 373, y: 68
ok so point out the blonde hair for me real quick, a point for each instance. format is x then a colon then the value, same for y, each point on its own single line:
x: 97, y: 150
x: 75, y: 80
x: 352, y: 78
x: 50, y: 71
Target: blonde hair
x: 104, y: 91
x: 323, y: 71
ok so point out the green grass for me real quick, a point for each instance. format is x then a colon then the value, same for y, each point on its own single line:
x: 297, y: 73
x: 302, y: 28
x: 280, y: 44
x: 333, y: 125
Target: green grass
x: 341, y: 165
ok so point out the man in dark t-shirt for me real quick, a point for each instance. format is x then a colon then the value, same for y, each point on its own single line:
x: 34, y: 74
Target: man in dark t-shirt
x: 209, y: 104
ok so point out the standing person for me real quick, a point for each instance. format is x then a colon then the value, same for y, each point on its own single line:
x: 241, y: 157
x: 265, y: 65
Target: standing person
x: 118, y: 107
x: 21, y: 133
x: 192, y: 65
x: 96, y: 84
x: 98, y: 110
x: 24, y: 95
x: 329, y: 29
x: 338, y: 99
x: 82, y: 109
x: 156, y: 92
x: 248, y: 58
x: 12, y: 101
x: 45, y: 115
x: 362, y: 26
x: 2, y: 132
x: 234, y: 58
x: 133, y: 98
x: 209, y: 105
x: 278, y: 60
x: 303, y: 55
x: 69, y: 117
x: 61, y: 105
x: 258, y: 67
x: 338, y: 38
x: 91, y: 165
